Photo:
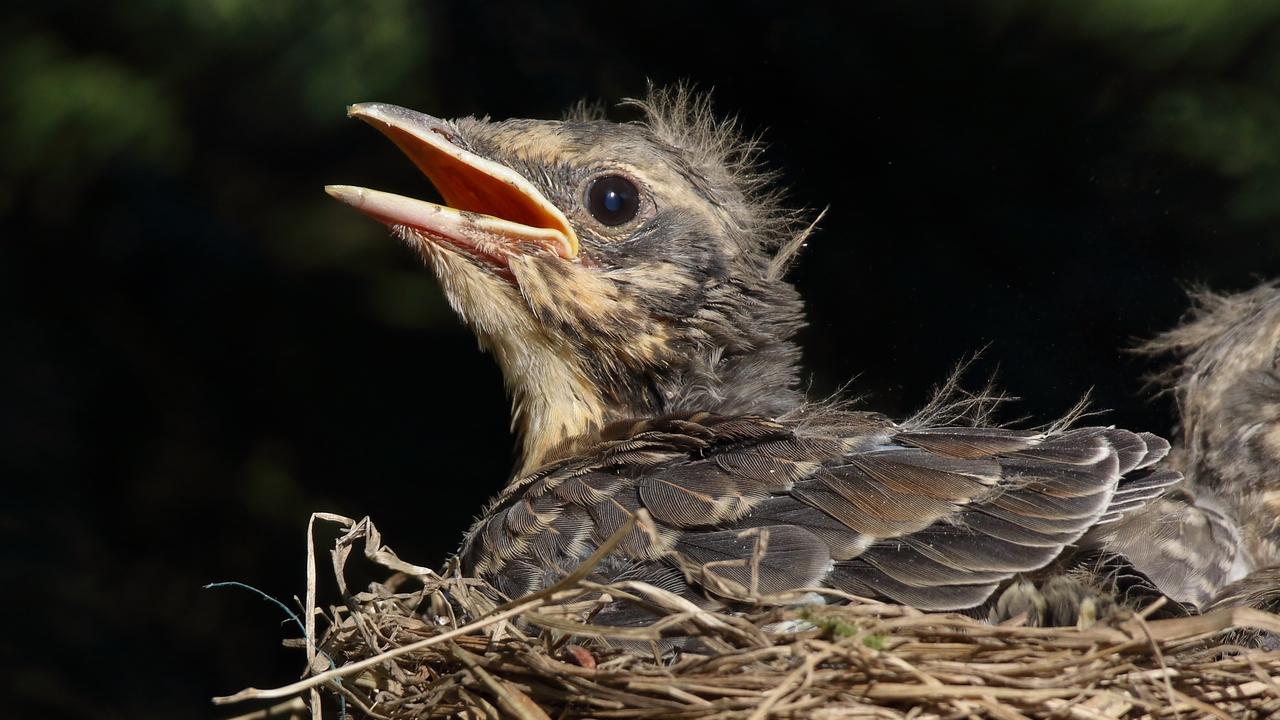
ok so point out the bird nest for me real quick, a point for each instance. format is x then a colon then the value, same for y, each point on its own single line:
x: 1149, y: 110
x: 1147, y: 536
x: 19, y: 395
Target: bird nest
x: 425, y: 645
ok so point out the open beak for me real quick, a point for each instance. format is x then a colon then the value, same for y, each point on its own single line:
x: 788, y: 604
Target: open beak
x: 492, y: 213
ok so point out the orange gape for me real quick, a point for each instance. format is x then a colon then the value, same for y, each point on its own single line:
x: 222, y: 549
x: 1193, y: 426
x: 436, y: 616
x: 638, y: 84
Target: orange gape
x: 466, y: 181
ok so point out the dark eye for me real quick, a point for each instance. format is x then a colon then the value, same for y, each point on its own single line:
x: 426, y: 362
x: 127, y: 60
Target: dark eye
x: 613, y: 199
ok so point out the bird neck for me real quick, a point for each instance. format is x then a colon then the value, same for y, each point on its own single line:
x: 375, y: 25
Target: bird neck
x: 553, y: 399
x: 559, y: 407
x: 761, y: 382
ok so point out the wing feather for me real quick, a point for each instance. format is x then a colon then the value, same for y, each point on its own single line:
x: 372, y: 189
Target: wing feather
x: 932, y: 517
x: 698, y: 494
x: 756, y: 561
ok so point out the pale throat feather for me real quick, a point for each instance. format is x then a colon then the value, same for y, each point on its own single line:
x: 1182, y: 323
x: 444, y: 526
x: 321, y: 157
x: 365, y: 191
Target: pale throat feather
x: 552, y: 402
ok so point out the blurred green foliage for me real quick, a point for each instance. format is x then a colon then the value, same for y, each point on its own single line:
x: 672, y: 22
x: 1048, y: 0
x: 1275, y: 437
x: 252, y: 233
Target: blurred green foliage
x: 1207, y: 71
x: 66, y: 116
x: 230, y: 98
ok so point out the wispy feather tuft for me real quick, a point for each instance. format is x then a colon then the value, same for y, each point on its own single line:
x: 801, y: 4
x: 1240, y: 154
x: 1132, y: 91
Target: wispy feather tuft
x: 585, y: 111
x: 1216, y: 326
x: 952, y: 404
x: 728, y: 164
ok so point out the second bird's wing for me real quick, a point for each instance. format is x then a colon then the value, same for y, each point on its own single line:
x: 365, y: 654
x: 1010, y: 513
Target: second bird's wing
x: 1185, y: 542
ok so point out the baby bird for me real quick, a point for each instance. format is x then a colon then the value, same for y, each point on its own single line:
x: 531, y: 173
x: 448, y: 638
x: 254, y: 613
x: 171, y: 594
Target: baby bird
x: 629, y: 278
x: 1215, y: 539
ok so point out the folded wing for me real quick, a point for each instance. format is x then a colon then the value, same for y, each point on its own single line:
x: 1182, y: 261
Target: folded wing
x: 936, y: 518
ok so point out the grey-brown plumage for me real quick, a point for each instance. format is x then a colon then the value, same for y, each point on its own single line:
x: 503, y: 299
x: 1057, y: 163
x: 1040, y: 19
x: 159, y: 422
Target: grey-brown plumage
x: 934, y: 517
x: 629, y: 279
x: 1215, y: 540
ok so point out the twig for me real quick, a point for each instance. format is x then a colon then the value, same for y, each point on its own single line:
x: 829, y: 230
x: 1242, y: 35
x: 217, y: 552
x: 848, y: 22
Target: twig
x: 467, y: 654
x: 511, y: 610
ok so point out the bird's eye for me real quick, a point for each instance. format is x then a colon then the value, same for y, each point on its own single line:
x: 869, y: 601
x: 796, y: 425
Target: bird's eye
x: 613, y: 199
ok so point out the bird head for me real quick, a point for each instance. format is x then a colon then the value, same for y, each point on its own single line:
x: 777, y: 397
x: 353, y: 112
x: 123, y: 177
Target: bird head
x: 615, y: 270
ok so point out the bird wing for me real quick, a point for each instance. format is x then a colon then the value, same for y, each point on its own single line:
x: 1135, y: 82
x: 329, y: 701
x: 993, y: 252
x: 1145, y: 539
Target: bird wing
x: 745, y: 506
x: 1184, y: 542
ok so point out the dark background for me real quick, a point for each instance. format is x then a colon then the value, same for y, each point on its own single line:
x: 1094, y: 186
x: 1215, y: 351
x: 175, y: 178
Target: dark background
x: 200, y: 348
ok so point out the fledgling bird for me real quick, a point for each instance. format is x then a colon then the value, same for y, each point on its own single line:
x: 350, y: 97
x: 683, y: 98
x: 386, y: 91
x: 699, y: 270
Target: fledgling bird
x: 629, y: 279
x: 1214, y: 540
